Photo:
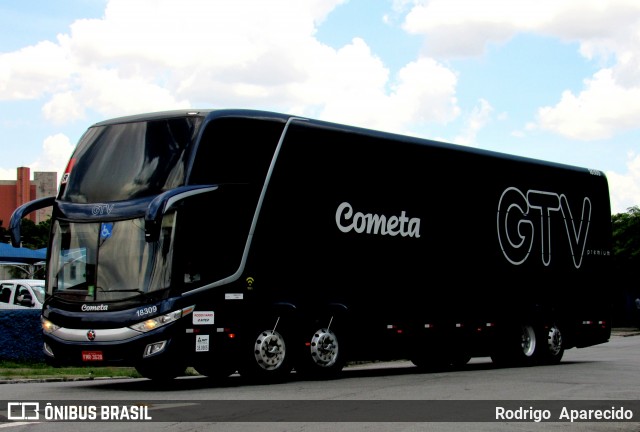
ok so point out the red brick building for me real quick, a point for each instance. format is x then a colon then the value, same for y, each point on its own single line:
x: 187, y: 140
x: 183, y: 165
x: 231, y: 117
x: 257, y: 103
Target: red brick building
x: 15, y: 193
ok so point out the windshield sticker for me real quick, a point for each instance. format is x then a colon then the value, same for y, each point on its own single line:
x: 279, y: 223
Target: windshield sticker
x: 202, y: 343
x: 105, y: 230
x: 203, y: 317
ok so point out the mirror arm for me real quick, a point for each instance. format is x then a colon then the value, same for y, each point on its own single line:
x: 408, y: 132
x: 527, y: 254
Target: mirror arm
x: 22, y: 211
x: 165, y: 202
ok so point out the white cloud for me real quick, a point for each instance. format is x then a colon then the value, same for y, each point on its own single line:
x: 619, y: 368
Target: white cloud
x: 8, y: 174
x: 33, y: 71
x: 361, y: 93
x: 228, y: 53
x: 465, y: 27
x: 478, y: 118
x: 607, y: 31
x: 63, y: 107
x: 625, y: 188
x: 602, y: 109
x: 56, y: 151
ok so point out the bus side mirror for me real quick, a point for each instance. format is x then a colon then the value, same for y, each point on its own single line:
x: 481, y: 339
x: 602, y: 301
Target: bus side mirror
x: 165, y: 202
x: 22, y: 211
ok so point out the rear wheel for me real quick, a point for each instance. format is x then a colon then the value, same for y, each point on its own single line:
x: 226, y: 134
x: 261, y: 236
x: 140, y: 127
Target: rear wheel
x: 518, y: 347
x: 324, y: 357
x: 269, y: 350
x: 553, y: 346
x: 528, y: 342
x: 267, y: 356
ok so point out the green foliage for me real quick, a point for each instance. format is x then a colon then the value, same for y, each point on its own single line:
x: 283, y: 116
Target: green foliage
x: 626, y: 241
x: 12, y: 370
x: 17, y: 370
x: 34, y: 236
x: 4, y: 233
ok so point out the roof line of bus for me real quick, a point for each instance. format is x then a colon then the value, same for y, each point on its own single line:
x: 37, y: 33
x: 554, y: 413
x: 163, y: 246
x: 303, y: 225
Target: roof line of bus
x: 210, y: 114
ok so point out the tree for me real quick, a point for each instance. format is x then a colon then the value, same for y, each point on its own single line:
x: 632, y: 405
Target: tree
x: 626, y: 240
x: 626, y: 259
x: 34, y: 236
x: 4, y: 233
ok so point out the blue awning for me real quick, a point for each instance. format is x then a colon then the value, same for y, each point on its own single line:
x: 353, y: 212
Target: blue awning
x: 12, y: 254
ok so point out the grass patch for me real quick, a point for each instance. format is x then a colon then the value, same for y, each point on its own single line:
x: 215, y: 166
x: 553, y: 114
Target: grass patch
x: 11, y: 370
x: 18, y: 370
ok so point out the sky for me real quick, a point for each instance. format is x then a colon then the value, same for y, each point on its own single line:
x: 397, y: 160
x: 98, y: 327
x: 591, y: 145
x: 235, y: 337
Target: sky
x: 557, y: 80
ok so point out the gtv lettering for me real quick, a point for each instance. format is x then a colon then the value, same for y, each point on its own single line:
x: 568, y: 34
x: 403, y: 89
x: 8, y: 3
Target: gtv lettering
x: 102, y: 209
x: 523, y: 218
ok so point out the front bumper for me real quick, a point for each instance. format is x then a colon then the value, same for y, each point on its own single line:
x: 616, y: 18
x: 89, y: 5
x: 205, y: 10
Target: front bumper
x: 103, y: 347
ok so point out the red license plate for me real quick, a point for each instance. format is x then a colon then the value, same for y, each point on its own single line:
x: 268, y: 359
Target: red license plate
x: 91, y: 355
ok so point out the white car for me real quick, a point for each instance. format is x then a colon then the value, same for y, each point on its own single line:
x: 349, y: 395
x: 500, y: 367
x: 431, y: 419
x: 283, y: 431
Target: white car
x: 21, y: 294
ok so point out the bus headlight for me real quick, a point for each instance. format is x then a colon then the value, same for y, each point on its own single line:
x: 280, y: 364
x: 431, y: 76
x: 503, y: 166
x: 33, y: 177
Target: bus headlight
x: 48, y: 326
x: 154, y: 323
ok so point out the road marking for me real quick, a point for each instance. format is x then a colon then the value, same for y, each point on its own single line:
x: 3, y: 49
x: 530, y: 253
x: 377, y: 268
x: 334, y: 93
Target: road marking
x: 12, y: 424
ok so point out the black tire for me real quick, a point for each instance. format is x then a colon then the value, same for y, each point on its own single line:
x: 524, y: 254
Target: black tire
x: 324, y: 357
x: 518, y: 347
x: 267, y: 356
x: 551, y: 345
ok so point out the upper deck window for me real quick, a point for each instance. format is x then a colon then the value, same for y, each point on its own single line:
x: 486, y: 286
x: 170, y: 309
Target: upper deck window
x: 129, y: 160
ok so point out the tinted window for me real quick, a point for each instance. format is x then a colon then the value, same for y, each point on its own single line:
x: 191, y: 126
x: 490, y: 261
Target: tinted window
x: 236, y: 150
x: 129, y: 160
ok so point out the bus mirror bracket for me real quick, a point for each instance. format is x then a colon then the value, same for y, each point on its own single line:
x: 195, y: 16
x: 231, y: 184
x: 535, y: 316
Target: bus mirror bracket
x: 22, y: 211
x: 165, y: 202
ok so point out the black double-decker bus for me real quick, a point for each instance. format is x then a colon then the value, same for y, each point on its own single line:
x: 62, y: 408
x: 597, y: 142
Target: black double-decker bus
x: 258, y: 242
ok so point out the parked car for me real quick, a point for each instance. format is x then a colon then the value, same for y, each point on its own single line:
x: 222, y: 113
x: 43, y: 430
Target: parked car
x: 21, y: 294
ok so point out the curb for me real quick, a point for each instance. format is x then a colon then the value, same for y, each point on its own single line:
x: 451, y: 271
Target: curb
x: 624, y: 332
x: 63, y: 379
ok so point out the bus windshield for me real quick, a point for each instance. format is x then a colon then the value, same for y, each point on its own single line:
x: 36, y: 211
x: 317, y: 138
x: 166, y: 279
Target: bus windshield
x: 108, y: 261
x: 141, y: 158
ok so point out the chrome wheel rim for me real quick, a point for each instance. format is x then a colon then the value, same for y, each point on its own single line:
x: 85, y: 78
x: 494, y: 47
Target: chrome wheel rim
x: 269, y: 350
x: 324, y: 348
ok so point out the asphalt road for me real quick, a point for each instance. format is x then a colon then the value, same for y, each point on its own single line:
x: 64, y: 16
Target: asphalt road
x: 373, y: 397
